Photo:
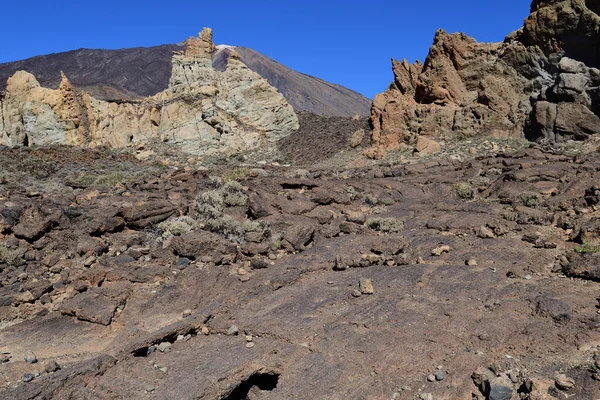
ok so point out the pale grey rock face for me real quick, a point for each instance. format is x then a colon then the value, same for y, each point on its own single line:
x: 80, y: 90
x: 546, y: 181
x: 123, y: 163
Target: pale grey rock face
x: 203, y: 111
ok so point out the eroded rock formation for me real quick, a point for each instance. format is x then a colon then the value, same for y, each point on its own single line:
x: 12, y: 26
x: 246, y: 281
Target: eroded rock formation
x: 203, y: 110
x: 540, y: 83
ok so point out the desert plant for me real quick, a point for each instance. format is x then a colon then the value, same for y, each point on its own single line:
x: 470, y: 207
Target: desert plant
x: 531, y: 199
x: 465, y: 191
x: 370, y: 199
x: 237, y: 174
x: 510, y: 216
x: 9, y: 256
x: 352, y: 192
x: 385, y: 225
x: 178, y: 226
x: 587, y: 248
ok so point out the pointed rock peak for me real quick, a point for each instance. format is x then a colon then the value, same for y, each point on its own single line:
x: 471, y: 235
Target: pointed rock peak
x: 202, y: 46
x: 65, y: 83
x: 233, y: 54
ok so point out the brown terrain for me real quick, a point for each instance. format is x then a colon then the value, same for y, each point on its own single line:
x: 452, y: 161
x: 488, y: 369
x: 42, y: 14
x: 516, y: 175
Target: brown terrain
x: 447, y: 249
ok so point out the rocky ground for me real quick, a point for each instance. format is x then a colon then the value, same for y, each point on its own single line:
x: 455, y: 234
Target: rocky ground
x: 459, y: 276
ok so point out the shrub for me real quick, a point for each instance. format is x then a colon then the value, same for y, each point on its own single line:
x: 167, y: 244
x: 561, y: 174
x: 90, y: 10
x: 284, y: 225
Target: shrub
x: 178, y: 226
x: 237, y: 174
x: 7, y: 255
x: 211, y: 208
x: 465, y: 191
x: 531, y: 199
x: 370, y: 200
x: 386, y: 225
x: 587, y: 248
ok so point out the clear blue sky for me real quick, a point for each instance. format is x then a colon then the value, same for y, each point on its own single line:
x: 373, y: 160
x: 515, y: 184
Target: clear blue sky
x: 345, y: 42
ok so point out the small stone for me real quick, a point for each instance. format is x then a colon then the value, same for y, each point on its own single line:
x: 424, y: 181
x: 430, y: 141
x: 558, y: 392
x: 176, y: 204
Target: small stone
x: 89, y: 261
x: 563, y: 382
x: 356, y: 293
x: 513, y: 376
x: 205, y: 331
x: 258, y: 263
x: 472, y: 262
x: 28, y: 377
x: 4, y: 358
x: 431, y: 378
x: 440, y: 376
x: 249, y: 345
x: 163, y: 369
x: 30, y: 357
x: 366, y: 286
x: 233, y: 330
x: 499, y: 388
x: 420, y: 260
x: 244, y: 278
x: 150, y: 389
x: 438, y: 251
x: 242, y: 271
x: 180, y: 338
x: 186, y: 313
x: 183, y: 262
x: 248, y: 338
x: 164, y: 347
x: 426, y: 396
x: 50, y: 366
x: 596, y: 376
x: 485, y: 233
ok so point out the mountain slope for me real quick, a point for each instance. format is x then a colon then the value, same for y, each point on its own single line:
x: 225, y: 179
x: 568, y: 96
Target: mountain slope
x: 139, y: 72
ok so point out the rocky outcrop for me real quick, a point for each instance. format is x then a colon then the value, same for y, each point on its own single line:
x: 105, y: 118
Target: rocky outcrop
x: 135, y: 73
x: 524, y: 86
x: 203, y: 110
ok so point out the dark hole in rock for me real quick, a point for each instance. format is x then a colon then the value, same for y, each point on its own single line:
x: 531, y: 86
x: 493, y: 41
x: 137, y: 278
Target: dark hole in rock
x: 265, y: 381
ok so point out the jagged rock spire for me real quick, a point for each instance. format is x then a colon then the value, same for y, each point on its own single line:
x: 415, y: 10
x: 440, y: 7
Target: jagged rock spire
x: 202, y: 46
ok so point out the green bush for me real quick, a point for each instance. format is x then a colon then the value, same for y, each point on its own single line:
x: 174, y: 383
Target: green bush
x: 9, y: 256
x: 386, y: 225
x: 370, y: 200
x: 588, y: 248
x: 178, y: 226
x: 465, y: 191
x: 531, y: 199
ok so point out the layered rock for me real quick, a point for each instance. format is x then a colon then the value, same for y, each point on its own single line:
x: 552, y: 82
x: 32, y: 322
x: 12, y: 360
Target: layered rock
x: 203, y: 110
x: 522, y: 87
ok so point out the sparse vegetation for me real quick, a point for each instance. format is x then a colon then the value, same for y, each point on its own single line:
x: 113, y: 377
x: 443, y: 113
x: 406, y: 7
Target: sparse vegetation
x: 465, y: 191
x: 385, y: 225
x: 178, y: 226
x: 370, y: 200
x: 588, y: 248
x: 510, y: 216
x: 352, y: 192
x: 211, y: 207
x: 531, y: 199
x: 7, y: 255
x: 237, y: 174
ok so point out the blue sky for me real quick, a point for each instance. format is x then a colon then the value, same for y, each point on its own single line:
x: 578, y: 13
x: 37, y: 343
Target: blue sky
x: 346, y: 42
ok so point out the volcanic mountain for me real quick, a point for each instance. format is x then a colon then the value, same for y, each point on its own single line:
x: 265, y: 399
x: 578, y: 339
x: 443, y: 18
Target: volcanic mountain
x: 129, y: 74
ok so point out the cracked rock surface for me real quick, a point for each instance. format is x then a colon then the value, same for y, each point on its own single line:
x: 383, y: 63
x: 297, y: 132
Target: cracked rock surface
x: 131, y: 288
